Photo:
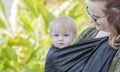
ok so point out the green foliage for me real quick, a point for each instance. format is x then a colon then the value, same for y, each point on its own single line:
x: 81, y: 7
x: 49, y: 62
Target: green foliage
x: 2, y: 25
x: 23, y: 47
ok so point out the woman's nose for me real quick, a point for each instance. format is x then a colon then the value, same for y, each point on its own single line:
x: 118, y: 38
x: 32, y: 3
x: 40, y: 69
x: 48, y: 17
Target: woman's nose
x: 91, y: 20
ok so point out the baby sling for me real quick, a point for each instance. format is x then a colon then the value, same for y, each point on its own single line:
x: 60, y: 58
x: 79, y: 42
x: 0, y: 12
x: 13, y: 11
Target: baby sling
x: 93, y: 55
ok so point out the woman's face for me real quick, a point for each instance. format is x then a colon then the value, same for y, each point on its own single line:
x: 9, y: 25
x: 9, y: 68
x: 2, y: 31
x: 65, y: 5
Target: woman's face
x: 97, y: 16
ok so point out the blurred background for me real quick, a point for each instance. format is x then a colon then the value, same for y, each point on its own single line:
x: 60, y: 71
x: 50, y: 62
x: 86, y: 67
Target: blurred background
x: 24, y: 30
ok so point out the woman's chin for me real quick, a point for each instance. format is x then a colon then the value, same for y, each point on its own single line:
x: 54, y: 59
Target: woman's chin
x: 98, y: 28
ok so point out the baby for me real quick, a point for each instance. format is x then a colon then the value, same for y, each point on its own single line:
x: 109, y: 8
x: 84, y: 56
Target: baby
x: 62, y: 31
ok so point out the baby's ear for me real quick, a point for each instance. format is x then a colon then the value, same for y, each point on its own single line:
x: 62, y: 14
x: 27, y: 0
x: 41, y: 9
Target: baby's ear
x: 50, y: 35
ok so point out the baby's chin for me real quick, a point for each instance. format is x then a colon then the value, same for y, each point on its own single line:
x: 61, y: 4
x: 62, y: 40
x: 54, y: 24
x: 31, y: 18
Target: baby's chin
x: 62, y: 46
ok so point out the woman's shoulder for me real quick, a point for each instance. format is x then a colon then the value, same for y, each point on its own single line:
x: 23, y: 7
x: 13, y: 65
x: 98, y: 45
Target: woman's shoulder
x: 115, y: 65
x: 88, y: 33
x: 117, y: 42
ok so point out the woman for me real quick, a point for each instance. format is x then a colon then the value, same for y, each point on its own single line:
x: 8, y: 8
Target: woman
x: 97, y: 49
x: 105, y: 14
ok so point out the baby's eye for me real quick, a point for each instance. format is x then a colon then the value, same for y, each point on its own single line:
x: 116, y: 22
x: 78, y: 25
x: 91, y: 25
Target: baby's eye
x: 56, y: 35
x: 66, y: 35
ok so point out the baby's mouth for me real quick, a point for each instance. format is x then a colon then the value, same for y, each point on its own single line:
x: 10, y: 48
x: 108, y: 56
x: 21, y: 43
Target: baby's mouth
x: 61, y: 43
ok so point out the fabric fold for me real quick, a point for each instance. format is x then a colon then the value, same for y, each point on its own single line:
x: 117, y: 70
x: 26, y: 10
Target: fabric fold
x: 93, y: 55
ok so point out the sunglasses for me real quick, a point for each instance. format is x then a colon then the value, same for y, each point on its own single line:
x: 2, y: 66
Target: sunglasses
x: 95, y: 18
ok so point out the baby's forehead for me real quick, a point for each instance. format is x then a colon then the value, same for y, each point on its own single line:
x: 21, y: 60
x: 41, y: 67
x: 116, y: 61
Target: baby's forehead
x: 63, y: 26
x: 62, y: 30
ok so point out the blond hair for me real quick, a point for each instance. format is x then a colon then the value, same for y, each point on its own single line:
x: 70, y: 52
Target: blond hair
x: 63, y: 23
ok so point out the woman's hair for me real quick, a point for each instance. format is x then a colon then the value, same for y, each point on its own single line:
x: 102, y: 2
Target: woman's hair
x: 113, y: 15
x: 63, y: 24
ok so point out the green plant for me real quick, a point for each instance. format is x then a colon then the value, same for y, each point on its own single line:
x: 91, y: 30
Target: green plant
x: 25, y: 41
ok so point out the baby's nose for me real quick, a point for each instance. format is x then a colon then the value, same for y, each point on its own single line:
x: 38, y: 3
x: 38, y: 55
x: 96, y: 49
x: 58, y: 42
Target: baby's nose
x: 60, y: 38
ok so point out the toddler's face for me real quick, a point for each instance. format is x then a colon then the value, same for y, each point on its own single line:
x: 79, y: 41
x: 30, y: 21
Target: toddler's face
x: 62, y: 39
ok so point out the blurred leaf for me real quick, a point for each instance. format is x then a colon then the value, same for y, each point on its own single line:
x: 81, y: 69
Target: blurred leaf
x: 32, y: 70
x: 30, y: 4
x: 2, y: 25
x: 26, y: 23
x: 3, y: 18
x: 8, y: 53
x: 19, y: 41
